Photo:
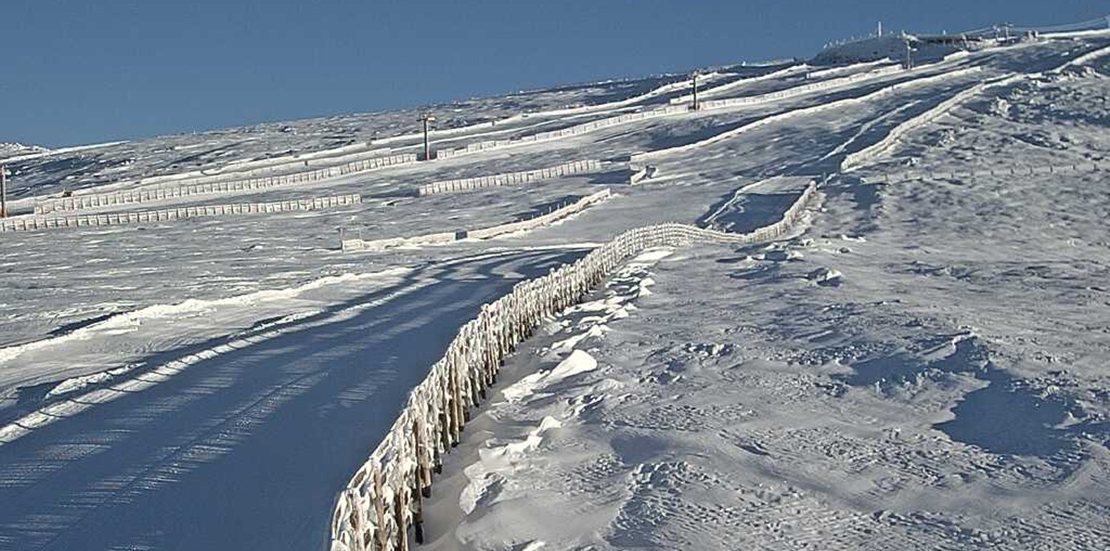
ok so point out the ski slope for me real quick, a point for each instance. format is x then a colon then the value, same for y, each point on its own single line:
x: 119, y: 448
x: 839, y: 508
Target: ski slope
x: 212, y: 383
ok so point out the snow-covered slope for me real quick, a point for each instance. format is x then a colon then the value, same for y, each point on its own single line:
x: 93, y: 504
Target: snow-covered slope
x: 920, y: 368
x: 10, y: 150
x: 923, y: 368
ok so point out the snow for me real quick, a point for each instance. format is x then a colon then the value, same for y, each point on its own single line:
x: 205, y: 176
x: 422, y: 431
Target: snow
x: 10, y: 150
x: 577, y: 362
x: 920, y: 365
x: 888, y: 411
x: 884, y: 47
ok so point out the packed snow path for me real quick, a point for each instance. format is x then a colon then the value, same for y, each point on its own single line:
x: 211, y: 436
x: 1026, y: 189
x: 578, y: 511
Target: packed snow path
x: 246, y: 450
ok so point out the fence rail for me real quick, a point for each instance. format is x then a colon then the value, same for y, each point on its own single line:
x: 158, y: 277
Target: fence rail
x: 384, y: 498
x: 137, y: 196
x: 32, y: 223
x: 509, y: 178
x: 484, y: 233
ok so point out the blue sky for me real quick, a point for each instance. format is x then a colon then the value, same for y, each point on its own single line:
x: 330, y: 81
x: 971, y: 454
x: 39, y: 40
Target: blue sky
x: 85, y: 71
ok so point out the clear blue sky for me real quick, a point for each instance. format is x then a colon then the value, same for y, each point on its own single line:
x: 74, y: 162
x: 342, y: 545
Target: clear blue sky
x: 84, y: 71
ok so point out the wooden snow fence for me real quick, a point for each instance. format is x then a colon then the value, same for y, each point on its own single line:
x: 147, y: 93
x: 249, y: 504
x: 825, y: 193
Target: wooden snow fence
x: 32, y: 223
x: 1011, y: 170
x: 510, y: 178
x: 383, y: 504
x: 146, y: 195
x: 854, y: 160
x: 563, y: 132
x: 643, y: 157
x: 799, y: 90
x: 675, y: 109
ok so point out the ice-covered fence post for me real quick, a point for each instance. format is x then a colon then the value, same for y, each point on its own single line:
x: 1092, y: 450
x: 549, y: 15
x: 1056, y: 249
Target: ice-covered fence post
x: 493, y: 343
x: 562, y: 283
x: 471, y: 352
x: 525, y: 302
x: 470, y: 360
x: 501, y: 334
x: 456, y: 403
x: 516, y: 314
x: 482, y: 350
x: 423, y: 453
x: 379, y: 510
x: 443, y: 413
x: 450, y: 403
x: 539, y: 298
x: 429, y: 428
x: 478, y: 363
x: 353, y: 518
x: 418, y: 492
x: 399, y: 509
x: 527, y: 305
x: 458, y: 390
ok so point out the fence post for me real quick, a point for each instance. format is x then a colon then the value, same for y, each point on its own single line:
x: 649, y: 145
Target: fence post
x: 379, y: 509
x: 402, y: 525
x: 456, y: 406
x: 424, y: 480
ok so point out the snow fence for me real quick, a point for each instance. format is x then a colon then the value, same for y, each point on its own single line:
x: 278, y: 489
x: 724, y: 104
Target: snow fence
x: 676, y: 85
x: 1084, y: 59
x: 129, y: 197
x: 641, y: 158
x: 384, y: 498
x: 562, y: 132
x: 800, y: 90
x: 678, y: 108
x: 563, y: 111
x: 868, y: 154
x: 714, y: 90
x: 1013, y: 170
x: 484, y: 233
x: 31, y: 223
x: 509, y: 178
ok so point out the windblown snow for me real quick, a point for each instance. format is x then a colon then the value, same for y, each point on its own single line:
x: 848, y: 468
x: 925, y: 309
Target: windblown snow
x: 921, y: 364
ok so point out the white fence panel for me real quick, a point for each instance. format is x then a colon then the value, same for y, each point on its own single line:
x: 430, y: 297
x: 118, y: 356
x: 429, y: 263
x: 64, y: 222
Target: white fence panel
x: 113, y: 219
x: 465, y: 184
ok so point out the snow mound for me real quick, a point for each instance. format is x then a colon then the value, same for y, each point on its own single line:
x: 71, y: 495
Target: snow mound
x: 576, y: 363
x: 826, y: 277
